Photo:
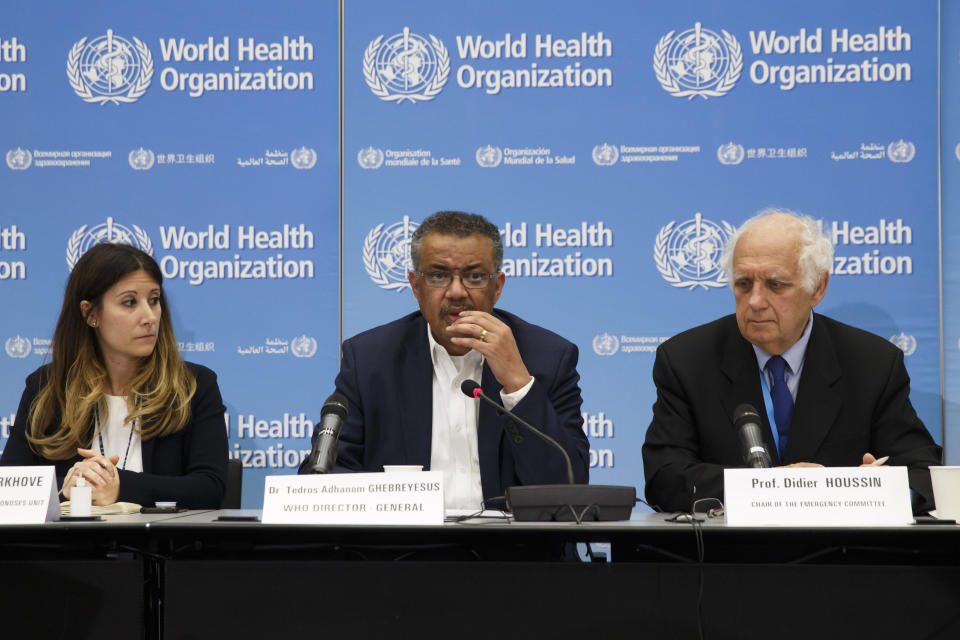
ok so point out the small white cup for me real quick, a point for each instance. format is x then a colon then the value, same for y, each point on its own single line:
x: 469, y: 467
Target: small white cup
x: 946, y: 491
x: 403, y: 468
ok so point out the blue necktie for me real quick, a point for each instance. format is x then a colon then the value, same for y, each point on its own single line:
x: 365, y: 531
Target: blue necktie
x: 782, y: 400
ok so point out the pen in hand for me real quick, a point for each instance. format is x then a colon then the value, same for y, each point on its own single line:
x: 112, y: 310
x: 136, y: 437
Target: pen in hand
x: 879, y: 462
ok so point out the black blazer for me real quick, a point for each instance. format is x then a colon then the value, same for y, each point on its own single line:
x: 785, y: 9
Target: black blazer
x: 189, y: 466
x: 386, y: 374
x: 853, y: 398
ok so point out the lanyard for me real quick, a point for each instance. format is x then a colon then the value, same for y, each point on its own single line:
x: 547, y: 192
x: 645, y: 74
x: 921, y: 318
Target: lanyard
x: 99, y: 431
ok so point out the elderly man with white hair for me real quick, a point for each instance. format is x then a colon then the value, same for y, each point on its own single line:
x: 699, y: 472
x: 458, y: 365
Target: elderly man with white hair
x: 828, y: 394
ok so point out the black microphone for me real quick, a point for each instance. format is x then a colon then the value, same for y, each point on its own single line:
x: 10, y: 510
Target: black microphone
x: 561, y: 501
x: 748, y: 421
x: 324, y: 452
x: 472, y: 389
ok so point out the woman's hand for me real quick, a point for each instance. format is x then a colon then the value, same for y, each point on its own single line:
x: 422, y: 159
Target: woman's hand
x: 101, y: 475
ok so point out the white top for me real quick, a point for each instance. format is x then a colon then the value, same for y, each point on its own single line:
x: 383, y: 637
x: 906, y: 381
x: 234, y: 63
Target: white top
x: 453, y: 448
x: 116, y: 434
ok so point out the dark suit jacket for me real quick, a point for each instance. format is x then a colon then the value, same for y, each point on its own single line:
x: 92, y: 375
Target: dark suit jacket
x: 853, y: 398
x: 189, y: 466
x: 386, y: 374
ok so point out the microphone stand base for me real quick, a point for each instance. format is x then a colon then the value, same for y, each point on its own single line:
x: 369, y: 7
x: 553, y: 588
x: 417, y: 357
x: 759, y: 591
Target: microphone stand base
x: 571, y: 502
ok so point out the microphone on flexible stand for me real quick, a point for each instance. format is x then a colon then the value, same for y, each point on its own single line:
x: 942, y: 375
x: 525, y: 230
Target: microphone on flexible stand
x: 323, y: 455
x: 472, y: 389
x: 747, y: 421
x: 565, y: 502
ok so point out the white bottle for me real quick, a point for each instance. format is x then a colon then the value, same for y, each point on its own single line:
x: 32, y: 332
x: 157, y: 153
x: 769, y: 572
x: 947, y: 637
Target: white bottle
x: 80, y: 499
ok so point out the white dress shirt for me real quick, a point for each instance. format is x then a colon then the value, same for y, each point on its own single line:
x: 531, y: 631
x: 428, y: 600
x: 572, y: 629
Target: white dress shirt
x: 453, y: 444
x: 794, y: 357
x: 119, y: 438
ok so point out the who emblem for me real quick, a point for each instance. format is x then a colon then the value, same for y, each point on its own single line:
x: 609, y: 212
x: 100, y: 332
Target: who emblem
x: 386, y: 254
x: 688, y: 254
x: 730, y: 153
x: 905, y: 342
x: 303, y: 346
x: 370, y: 158
x: 303, y: 158
x: 406, y: 66
x: 110, y: 69
x: 901, y: 151
x: 605, y: 154
x: 19, y: 159
x: 83, y: 238
x: 605, y: 344
x: 489, y: 157
x: 18, y: 347
x: 698, y: 62
x: 141, y: 159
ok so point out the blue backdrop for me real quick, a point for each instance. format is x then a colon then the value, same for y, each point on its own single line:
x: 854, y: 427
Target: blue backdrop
x: 231, y: 186
x: 616, y: 188
x: 950, y: 216
x: 615, y: 144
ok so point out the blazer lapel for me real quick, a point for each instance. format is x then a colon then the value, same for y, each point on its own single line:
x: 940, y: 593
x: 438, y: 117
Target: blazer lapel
x: 146, y: 451
x: 488, y: 435
x: 739, y: 365
x: 414, y: 370
x: 818, y: 399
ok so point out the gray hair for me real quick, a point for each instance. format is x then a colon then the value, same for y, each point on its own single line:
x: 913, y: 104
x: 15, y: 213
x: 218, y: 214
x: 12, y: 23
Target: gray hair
x: 457, y: 223
x: 816, y: 249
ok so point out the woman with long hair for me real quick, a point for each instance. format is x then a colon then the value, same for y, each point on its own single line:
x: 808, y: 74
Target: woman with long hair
x: 117, y: 404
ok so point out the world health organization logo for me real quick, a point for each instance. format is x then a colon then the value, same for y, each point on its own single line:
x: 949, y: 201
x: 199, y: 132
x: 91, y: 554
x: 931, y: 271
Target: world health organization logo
x: 905, y: 342
x: 141, y: 159
x: 19, y: 159
x: 688, y: 254
x: 18, y: 347
x: 605, y: 154
x: 730, y: 153
x: 110, y: 69
x: 386, y: 254
x: 406, y: 67
x: 303, y: 346
x: 303, y: 158
x: 901, y: 151
x: 489, y: 157
x: 83, y: 238
x: 370, y: 158
x: 605, y: 344
x: 698, y: 62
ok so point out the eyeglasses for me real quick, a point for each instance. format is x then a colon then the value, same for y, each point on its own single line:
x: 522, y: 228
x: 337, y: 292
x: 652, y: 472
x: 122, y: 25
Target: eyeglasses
x: 442, y: 279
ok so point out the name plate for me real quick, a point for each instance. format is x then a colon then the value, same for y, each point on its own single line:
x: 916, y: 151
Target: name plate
x: 815, y: 497
x: 355, y: 498
x: 28, y: 495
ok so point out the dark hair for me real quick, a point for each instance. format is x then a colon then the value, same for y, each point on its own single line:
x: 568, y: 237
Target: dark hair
x: 61, y: 415
x: 98, y: 269
x: 457, y: 223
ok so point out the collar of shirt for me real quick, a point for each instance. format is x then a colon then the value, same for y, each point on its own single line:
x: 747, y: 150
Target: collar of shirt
x: 794, y: 356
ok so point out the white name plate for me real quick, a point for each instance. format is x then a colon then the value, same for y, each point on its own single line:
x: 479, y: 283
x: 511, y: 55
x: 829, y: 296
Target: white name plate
x: 28, y: 495
x: 817, y: 497
x: 355, y: 498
